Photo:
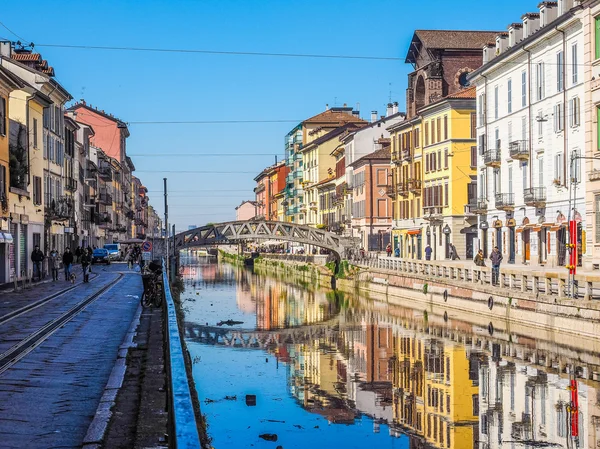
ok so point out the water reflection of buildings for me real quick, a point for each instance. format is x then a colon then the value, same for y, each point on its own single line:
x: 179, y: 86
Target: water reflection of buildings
x: 528, y: 407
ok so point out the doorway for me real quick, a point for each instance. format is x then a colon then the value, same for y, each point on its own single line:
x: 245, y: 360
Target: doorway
x: 470, y: 238
x: 511, y: 244
x: 499, y: 239
x: 542, y: 255
x: 561, y: 245
x: 484, y: 239
x: 526, y: 245
x: 419, y: 243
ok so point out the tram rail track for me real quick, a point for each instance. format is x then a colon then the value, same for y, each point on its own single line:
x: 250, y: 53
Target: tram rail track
x: 40, y: 302
x: 33, y: 340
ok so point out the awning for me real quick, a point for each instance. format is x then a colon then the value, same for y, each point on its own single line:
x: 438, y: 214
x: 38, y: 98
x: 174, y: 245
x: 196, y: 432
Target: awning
x: 8, y: 238
x: 413, y: 232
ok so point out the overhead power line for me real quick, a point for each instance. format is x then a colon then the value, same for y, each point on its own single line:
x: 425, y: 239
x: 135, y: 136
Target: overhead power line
x: 220, y: 52
x: 13, y: 33
x: 203, y: 154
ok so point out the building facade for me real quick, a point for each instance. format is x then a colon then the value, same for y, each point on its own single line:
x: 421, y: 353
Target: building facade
x: 531, y: 137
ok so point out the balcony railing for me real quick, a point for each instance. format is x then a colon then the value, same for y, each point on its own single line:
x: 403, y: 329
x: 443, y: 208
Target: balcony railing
x: 391, y: 191
x: 259, y: 188
x: 414, y: 185
x: 518, y: 150
x: 106, y: 198
x: 492, y: 158
x: 105, y: 172
x: 481, y: 207
x: 505, y: 201
x: 395, y: 157
x: 432, y: 213
x: 406, y: 156
x: 402, y: 189
x: 71, y: 184
x: 58, y: 208
x: 535, y: 196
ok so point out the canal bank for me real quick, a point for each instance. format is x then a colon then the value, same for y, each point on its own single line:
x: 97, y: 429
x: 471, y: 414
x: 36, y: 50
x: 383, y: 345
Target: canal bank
x: 438, y: 288
x: 313, y: 367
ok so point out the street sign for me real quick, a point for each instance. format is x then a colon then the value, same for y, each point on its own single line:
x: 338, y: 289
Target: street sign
x: 147, y: 246
x: 146, y: 255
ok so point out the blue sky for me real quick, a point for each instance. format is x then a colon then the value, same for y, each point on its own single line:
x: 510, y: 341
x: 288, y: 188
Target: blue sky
x: 148, y: 86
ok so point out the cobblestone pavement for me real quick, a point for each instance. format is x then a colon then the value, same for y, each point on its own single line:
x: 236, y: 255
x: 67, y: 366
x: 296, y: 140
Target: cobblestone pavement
x: 49, y: 398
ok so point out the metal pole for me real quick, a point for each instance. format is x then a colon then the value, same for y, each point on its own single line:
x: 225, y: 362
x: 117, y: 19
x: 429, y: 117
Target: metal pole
x: 166, y: 226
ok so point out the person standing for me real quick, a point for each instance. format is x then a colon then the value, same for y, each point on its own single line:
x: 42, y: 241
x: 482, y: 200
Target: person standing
x: 54, y: 263
x: 78, y: 253
x: 67, y: 260
x: 388, y: 250
x: 496, y: 258
x: 428, y: 251
x: 37, y: 257
x: 453, y: 252
x: 86, y: 260
x: 479, y: 261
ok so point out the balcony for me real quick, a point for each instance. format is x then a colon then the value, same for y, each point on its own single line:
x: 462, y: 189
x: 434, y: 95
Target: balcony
x: 71, y: 184
x: 535, y: 196
x: 312, y: 205
x: 414, y: 185
x: 402, y: 189
x: 395, y: 157
x: 59, y: 208
x: 406, y: 155
x: 518, y: 150
x: 491, y: 158
x: 480, y: 207
x: 432, y: 213
x: 259, y: 188
x: 105, y: 172
x: 391, y: 191
x: 505, y: 201
x: 105, y: 198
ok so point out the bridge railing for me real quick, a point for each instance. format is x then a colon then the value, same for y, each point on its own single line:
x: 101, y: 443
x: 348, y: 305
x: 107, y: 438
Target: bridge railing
x: 183, y: 431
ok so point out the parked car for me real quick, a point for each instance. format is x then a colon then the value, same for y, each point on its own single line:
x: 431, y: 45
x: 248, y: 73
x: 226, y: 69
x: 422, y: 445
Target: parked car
x: 114, y: 251
x: 101, y: 255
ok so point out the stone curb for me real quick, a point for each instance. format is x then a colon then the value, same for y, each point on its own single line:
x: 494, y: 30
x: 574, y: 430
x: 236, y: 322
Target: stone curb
x: 97, y: 429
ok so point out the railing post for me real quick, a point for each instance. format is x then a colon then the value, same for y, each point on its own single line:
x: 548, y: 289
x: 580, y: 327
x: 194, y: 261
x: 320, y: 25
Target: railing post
x: 523, y: 283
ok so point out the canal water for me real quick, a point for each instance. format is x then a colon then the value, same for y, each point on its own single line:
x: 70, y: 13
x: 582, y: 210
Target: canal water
x: 305, y: 367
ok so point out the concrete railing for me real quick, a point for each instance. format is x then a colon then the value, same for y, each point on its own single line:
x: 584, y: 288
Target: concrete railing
x: 317, y: 259
x: 538, y: 282
x: 183, y: 431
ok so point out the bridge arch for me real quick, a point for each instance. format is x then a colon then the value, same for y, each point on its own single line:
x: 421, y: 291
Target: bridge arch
x: 234, y: 231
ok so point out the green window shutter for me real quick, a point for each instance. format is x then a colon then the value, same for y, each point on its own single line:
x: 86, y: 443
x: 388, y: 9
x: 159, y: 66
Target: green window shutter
x: 597, y: 37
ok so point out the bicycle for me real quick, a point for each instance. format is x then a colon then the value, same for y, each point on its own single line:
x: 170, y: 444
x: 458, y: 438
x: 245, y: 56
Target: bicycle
x: 153, y: 288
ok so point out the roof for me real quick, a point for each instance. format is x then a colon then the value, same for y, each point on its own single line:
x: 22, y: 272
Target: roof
x: 470, y: 92
x: 333, y: 116
x: 334, y: 133
x: 82, y: 104
x: 382, y: 153
x: 33, y: 60
x: 322, y: 182
x: 448, y: 39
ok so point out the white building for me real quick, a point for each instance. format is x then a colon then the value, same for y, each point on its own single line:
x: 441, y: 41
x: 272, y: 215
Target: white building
x: 529, y: 126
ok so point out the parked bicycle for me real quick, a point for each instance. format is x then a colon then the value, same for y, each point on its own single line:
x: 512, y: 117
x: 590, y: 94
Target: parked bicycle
x: 153, y: 285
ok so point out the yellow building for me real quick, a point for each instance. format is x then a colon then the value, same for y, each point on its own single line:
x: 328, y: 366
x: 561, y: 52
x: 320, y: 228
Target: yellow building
x: 433, y: 394
x: 449, y: 175
x: 405, y: 188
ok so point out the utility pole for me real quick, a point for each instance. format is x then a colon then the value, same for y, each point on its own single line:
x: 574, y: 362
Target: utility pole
x: 166, y: 226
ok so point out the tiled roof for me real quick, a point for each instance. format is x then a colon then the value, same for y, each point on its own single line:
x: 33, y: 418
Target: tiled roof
x: 27, y: 57
x: 448, y: 39
x: 334, y: 116
x: 334, y: 133
x: 383, y: 153
x: 464, y: 93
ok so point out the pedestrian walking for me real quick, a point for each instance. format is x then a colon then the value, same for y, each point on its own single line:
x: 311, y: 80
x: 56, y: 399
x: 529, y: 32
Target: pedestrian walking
x: 496, y: 258
x: 67, y: 260
x: 37, y: 257
x: 388, y: 250
x: 54, y: 263
x: 397, y: 251
x: 86, y: 261
x: 480, y: 262
x: 428, y: 251
x: 78, y: 253
x: 453, y: 253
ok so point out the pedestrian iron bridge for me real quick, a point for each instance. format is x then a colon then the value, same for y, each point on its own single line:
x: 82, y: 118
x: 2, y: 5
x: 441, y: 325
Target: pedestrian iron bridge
x: 235, y: 231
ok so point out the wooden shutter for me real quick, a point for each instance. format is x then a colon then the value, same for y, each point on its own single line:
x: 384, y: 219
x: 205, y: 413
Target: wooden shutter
x: 597, y: 37
x: 3, y: 116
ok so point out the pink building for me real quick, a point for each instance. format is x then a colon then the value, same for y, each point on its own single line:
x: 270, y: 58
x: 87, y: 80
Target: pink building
x: 371, y: 207
x: 246, y: 211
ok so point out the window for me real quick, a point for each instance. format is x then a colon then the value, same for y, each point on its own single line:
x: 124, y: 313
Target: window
x: 497, y: 181
x: 439, y: 129
x: 574, y: 115
x: 539, y: 79
x: 35, y: 133
x: 597, y: 37
x: 497, y: 139
x: 3, y: 116
x: 496, y: 102
x: 523, y: 128
x: 445, y: 127
x: 446, y: 194
x: 37, y: 190
x: 473, y: 157
x: 509, y: 130
x: 559, y: 111
x: 3, y: 183
x: 509, y: 93
x: 473, y: 125
x: 560, y: 71
x: 482, y: 140
x: 433, y: 132
x: 417, y: 138
x: 523, y: 89
x: 427, y: 164
x: 439, y: 159
x: 540, y: 122
x: 575, y: 68
x: 445, y: 157
x: 481, y: 109
x: 426, y: 133
x: 510, y: 179
x: 576, y: 166
x: 524, y: 166
x: 558, y: 169
x: 541, y: 171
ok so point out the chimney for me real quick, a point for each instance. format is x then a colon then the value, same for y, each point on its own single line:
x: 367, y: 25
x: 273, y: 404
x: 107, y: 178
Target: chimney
x: 390, y: 108
x: 5, y: 49
x: 548, y: 12
x: 515, y: 34
x: 489, y: 52
x: 395, y: 108
x: 564, y: 6
x: 501, y: 43
x: 356, y: 114
x: 327, y: 107
x: 373, y: 116
x: 531, y: 23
